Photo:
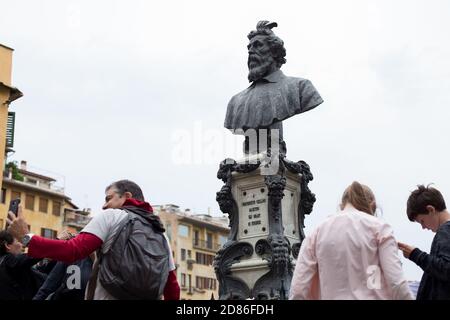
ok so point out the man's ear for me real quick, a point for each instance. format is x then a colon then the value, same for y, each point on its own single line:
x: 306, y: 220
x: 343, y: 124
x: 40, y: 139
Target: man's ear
x: 128, y: 195
x: 430, y: 209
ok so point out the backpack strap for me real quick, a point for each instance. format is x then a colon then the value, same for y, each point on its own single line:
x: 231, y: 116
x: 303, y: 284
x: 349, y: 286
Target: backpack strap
x: 151, y: 218
x: 92, y: 284
x: 123, y: 223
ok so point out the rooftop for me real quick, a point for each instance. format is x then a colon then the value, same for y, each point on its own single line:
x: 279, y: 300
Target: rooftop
x: 205, y: 220
x: 2, y: 45
x: 36, y: 175
x: 26, y: 178
x: 14, y: 92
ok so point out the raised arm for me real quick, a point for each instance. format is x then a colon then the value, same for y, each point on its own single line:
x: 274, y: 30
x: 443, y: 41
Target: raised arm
x: 67, y: 251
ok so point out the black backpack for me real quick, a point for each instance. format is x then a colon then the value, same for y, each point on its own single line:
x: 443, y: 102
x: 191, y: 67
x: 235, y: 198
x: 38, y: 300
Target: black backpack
x: 137, y: 264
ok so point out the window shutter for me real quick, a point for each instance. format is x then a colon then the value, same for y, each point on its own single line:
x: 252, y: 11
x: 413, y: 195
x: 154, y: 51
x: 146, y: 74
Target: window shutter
x: 10, y: 129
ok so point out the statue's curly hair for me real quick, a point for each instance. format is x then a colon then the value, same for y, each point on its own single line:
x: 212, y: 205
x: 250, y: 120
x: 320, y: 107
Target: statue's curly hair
x: 276, y: 45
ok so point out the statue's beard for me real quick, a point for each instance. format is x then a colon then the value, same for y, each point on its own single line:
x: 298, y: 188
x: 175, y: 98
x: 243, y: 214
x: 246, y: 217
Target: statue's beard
x: 258, y: 67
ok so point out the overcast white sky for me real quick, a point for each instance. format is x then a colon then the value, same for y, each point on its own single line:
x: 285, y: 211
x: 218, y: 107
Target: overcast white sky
x: 109, y: 85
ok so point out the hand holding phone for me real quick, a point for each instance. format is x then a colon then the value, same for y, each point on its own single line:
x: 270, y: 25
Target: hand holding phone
x: 17, y: 226
x: 14, y: 206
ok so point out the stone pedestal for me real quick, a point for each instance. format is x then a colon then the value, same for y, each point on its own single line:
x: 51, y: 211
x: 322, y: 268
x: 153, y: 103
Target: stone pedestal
x: 266, y: 219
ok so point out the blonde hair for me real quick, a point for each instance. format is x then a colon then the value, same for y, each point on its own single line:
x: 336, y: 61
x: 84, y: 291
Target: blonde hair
x: 359, y: 196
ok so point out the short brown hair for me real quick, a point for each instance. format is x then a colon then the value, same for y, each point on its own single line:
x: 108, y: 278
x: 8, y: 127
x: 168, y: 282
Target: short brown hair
x: 422, y: 197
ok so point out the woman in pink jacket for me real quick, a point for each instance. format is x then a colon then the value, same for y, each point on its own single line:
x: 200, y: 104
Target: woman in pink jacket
x: 351, y: 255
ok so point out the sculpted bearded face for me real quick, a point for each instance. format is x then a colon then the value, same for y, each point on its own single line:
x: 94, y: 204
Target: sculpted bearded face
x: 260, y: 60
x: 280, y: 249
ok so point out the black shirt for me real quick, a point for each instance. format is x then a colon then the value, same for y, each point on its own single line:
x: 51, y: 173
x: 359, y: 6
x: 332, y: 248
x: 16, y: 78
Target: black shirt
x: 435, y: 283
x: 17, y: 278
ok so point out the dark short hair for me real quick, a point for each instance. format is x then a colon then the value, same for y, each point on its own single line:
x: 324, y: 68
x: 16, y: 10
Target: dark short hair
x: 5, y: 238
x: 422, y: 197
x: 123, y: 186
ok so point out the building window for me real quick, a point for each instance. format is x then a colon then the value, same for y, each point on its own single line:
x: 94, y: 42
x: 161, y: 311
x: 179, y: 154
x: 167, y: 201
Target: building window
x: 29, y: 202
x: 196, y: 238
x: 31, y: 181
x: 183, y: 280
x: 56, y: 208
x: 189, y: 254
x: 205, y: 283
x: 43, y: 205
x: 15, y: 195
x: 222, y: 240
x: 203, y: 258
x: 183, y: 254
x: 209, y: 240
x: 48, y: 233
x: 183, y: 231
x: 3, y: 195
x: 197, y: 282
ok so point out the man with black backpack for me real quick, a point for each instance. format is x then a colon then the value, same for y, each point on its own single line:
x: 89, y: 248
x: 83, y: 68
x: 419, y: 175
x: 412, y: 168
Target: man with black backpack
x: 134, y: 259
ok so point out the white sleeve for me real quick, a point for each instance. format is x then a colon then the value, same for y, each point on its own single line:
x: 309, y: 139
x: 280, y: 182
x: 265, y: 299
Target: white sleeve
x: 391, y: 264
x: 304, y: 285
x: 99, y: 225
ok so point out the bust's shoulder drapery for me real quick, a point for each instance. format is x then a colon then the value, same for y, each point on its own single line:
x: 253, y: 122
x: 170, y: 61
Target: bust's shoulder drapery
x: 275, y: 98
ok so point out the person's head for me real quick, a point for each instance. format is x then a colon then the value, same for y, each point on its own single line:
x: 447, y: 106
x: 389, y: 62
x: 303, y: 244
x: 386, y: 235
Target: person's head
x: 266, y: 52
x: 8, y: 244
x: 117, y: 192
x: 360, y: 197
x: 424, y: 207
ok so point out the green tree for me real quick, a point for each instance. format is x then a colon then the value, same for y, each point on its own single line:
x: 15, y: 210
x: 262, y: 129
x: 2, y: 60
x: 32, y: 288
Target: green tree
x: 15, y: 170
